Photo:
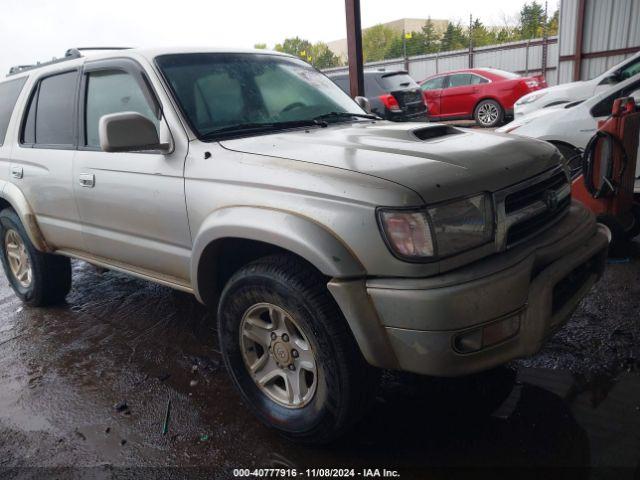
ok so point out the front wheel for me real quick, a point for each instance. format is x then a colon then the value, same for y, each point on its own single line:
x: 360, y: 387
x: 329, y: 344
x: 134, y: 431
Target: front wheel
x: 289, y: 350
x: 488, y: 114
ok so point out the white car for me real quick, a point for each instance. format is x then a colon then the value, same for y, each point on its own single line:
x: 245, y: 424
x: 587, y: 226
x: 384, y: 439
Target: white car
x: 570, y: 126
x: 574, y: 91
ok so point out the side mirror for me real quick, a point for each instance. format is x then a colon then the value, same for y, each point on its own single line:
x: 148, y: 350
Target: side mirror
x: 129, y: 132
x: 364, y: 104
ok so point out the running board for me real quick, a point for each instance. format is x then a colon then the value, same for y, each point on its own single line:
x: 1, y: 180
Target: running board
x: 165, y: 280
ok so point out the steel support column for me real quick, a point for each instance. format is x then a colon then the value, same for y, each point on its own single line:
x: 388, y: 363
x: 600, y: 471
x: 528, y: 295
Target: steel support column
x: 577, y: 58
x: 354, y: 48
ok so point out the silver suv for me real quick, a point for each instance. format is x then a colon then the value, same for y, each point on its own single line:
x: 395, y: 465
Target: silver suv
x: 332, y: 244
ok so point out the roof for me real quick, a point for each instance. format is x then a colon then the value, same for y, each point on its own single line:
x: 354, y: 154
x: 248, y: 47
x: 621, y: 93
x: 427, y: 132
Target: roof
x: 73, y: 60
x: 369, y: 72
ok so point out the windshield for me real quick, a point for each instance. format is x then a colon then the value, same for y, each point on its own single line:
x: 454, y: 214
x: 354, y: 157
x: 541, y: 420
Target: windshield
x: 222, y: 91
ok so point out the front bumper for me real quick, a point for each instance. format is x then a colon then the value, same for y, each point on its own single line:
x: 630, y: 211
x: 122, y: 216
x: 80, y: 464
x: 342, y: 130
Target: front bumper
x: 414, y: 324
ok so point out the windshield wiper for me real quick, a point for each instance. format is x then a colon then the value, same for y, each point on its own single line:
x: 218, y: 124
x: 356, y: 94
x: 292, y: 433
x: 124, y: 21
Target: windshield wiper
x: 261, y: 126
x: 339, y: 115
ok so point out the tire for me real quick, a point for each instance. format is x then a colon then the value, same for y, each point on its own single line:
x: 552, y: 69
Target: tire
x: 335, y: 393
x: 488, y: 114
x: 619, y: 246
x: 635, y: 231
x: 46, y: 279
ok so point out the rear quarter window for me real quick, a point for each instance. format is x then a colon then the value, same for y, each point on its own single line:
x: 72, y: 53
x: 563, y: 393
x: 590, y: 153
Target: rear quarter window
x: 9, y: 93
x: 342, y: 82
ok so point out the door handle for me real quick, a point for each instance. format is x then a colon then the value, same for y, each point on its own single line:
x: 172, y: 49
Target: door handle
x: 17, y: 172
x: 87, y: 180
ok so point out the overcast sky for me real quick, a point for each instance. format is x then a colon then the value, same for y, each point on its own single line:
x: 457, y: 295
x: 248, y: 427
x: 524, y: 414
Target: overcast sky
x: 33, y: 30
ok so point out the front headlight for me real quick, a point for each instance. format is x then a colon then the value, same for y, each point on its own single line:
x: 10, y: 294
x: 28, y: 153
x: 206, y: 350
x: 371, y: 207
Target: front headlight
x: 532, y: 97
x: 441, y: 230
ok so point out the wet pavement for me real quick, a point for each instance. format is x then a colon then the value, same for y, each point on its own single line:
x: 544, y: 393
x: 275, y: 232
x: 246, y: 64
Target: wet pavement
x: 87, y: 385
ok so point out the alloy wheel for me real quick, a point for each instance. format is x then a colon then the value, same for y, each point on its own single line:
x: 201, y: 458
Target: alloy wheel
x: 278, y: 355
x: 18, y: 257
x: 488, y: 114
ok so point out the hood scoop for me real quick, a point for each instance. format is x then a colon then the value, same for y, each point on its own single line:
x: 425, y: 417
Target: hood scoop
x: 437, y: 131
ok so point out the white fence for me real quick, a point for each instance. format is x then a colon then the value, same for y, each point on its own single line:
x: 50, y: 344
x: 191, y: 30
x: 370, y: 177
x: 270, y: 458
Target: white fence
x: 524, y: 57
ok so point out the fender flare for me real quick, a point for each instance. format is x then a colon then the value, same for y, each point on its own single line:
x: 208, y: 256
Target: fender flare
x: 14, y: 196
x: 288, y: 230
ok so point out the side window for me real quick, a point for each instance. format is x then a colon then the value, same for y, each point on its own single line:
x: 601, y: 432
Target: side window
x: 9, y: 92
x: 605, y: 106
x: 112, y: 92
x: 477, y: 80
x: 630, y: 70
x: 459, y: 80
x: 433, y: 84
x: 342, y: 82
x: 51, y: 114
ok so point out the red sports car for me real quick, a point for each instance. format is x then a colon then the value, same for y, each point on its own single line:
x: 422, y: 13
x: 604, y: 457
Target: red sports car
x: 484, y: 94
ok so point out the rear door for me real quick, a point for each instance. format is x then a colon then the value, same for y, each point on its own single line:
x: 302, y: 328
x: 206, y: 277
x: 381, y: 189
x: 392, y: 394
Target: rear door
x: 460, y: 95
x: 432, y: 90
x: 132, y: 205
x: 42, y: 163
x: 9, y: 93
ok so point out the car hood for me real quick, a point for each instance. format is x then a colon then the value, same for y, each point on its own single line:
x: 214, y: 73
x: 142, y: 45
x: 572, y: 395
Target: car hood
x: 438, y: 162
x: 549, y: 114
x: 567, y: 92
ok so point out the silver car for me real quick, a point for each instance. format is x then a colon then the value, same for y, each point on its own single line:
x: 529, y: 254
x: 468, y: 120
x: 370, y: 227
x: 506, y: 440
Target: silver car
x: 332, y: 244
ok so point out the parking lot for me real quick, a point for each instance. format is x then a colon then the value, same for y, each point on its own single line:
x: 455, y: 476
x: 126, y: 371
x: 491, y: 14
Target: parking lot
x: 88, y: 383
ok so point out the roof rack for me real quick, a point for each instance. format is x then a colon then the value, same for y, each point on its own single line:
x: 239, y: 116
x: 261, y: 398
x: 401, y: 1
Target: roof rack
x: 70, y: 54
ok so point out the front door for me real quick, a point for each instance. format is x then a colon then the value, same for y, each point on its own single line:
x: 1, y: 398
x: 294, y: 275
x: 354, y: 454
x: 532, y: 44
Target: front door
x: 132, y: 205
x: 458, y: 98
x: 432, y: 91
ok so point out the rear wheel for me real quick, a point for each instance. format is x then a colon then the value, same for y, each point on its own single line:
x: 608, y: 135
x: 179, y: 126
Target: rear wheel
x: 635, y: 231
x: 619, y: 237
x: 488, y: 114
x: 289, y: 350
x: 37, y: 278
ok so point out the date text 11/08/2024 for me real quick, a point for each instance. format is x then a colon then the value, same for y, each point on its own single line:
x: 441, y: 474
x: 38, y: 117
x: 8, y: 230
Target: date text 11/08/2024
x: 316, y: 473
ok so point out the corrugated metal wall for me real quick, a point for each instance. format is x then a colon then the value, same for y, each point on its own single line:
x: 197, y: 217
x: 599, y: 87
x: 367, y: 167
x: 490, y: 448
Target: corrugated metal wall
x: 510, y: 56
x: 610, y: 33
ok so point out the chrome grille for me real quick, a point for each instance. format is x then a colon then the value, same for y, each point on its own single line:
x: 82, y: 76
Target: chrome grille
x: 529, y: 207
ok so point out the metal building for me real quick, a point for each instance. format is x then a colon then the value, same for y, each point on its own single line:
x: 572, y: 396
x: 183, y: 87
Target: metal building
x: 595, y: 35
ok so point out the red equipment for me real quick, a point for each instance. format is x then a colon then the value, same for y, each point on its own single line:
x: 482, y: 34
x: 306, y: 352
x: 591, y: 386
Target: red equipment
x: 609, y: 171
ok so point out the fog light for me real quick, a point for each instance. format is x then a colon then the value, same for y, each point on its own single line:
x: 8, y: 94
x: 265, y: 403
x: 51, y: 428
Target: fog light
x: 500, y: 331
x: 492, y: 334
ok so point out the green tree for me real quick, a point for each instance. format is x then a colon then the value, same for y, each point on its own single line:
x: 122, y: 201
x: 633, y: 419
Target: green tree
x: 430, y: 37
x: 294, y: 46
x: 552, y: 23
x: 376, y: 42
x: 532, y: 20
x: 260, y: 46
x: 507, y: 34
x: 454, y: 38
x: 321, y: 56
x: 318, y: 54
x: 481, y: 35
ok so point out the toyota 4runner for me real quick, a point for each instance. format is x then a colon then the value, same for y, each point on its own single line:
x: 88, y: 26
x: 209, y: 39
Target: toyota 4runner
x: 331, y: 243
